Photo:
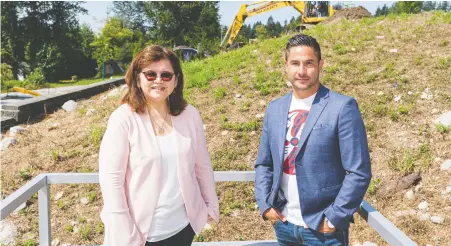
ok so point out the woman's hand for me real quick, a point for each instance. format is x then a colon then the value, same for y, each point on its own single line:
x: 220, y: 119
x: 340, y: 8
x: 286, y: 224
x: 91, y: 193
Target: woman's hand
x: 210, y: 220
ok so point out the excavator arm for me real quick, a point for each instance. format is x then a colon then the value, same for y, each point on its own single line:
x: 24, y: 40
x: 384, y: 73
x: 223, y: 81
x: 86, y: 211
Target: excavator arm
x: 235, y: 27
x: 243, y: 13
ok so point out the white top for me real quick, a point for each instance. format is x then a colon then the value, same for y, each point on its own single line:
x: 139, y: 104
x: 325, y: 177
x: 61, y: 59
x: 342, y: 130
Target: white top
x: 297, y: 116
x: 170, y: 215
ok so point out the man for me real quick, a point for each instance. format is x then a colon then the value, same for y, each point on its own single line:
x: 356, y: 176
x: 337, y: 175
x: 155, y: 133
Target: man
x: 313, y: 166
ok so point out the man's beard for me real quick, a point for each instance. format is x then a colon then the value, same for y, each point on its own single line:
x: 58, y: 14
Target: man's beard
x: 308, y: 86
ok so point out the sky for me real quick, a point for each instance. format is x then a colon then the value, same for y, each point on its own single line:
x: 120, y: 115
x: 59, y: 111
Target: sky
x: 99, y: 11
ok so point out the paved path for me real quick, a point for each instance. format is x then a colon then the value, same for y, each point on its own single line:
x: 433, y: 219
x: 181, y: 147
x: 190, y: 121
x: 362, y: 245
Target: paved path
x: 15, y: 97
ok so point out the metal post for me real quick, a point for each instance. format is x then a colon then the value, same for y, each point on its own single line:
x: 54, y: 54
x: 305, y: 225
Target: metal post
x: 103, y: 69
x: 45, y: 234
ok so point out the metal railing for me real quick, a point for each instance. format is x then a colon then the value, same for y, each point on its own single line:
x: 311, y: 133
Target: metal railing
x: 41, y: 184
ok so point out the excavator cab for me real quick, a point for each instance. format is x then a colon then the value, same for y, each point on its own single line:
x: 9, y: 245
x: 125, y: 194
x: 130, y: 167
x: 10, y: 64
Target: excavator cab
x: 317, y: 9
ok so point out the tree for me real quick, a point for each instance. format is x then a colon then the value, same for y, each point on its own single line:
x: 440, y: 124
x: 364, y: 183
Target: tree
x: 31, y: 31
x: 63, y: 29
x: 378, y: 12
x: 12, y: 46
x: 271, y: 27
x: 207, y: 29
x: 409, y: 7
x: 262, y: 33
x: 443, y: 6
x: 274, y: 28
x: 384, y: 10
x: 115, y: 42
x: 184, y: 23
x: 338, y: 6
x: 293, y: 24
x: 87, y: 37
x: 244, y: 35
x: 133, y: 14
x: 429, y: 5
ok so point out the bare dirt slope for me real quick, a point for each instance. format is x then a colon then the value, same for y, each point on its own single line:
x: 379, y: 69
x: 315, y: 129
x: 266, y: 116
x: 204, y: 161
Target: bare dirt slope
x: 349, y: 14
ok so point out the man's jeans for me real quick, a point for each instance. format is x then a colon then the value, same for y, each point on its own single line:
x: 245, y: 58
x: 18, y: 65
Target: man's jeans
x: 289, y: 234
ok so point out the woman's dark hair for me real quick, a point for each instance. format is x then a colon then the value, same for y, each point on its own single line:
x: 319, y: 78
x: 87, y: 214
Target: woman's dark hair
x: 135, y: 96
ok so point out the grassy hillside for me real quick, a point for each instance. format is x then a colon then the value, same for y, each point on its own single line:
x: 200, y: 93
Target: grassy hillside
x: 232, y: 90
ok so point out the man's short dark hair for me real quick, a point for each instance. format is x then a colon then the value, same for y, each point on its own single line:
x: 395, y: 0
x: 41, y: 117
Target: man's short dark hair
x: 303, y: 40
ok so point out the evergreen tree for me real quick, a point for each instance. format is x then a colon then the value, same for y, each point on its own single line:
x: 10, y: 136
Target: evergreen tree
x: 429, y: 5
x: 378, y: 12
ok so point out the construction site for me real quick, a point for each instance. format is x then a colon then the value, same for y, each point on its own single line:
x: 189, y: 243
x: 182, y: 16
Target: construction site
x: 397, y: 67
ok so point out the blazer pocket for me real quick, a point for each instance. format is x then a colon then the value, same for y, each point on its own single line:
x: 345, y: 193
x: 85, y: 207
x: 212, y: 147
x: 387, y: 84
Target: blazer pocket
x: 333, y: 187
x: 322, y: 126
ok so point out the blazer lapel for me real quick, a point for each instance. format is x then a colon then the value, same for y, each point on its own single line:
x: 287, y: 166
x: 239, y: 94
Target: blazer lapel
x: 281, y: 124
x: 320, y: 101
x: 182, y: 138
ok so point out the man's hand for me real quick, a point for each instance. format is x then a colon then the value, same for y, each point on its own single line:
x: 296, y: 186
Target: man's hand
x: 273, y: 216
x: 324, y: 227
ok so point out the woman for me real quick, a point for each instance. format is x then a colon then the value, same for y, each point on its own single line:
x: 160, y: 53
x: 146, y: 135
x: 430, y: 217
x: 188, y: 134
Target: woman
x: 155, y: 173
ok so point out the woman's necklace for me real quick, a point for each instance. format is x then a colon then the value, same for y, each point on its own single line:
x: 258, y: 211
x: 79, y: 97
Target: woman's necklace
x: 160, y: 128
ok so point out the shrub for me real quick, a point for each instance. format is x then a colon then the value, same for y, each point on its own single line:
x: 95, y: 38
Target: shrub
x: 6, y: 72
x: 36, y: 77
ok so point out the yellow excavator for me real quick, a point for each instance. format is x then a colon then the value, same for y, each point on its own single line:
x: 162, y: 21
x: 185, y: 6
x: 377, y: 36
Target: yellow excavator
x: 312, y: 12
x: 25, y: 91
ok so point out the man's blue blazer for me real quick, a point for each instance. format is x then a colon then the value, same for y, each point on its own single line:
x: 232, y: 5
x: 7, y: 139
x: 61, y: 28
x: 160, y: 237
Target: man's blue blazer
x: 333, y: 169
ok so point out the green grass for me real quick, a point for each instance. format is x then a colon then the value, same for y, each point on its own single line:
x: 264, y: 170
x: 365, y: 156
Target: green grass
x: 332, y: 69
x: 237, y: 80
x: 247, y: 126
x: 223, y: 159
x: 92, y: 196
x: 403, y: 109
x: 374, y: 185
x: 29, y: 242
x: 69, y: 228
x: 25, y: 174
x: 444, y: 63
x: 82, y: 219
x: 54, y: 155
x: 221, y: 109
x: 444, y: 43
x: 245, y: 107
x: 404, y: 164
x: 340, y: 49
x: 411, y: 159
x: 219, y: 93
x: 79, y: 82
x: 85, y: 170
x: 62, y: 204
x: 380, y: 110
x: 96, y: 135
x: 85, y: 232
x: 443, y: 129
x: 100, y: 228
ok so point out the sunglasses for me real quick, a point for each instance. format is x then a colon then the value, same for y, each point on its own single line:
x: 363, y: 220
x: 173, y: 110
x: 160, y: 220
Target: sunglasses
x: 152, y: 76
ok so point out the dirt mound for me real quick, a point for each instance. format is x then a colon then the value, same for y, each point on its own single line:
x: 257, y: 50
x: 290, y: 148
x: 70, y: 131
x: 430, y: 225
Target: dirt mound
x: 348, y: 13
